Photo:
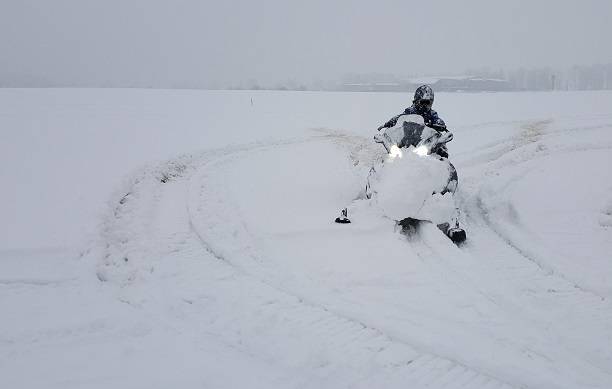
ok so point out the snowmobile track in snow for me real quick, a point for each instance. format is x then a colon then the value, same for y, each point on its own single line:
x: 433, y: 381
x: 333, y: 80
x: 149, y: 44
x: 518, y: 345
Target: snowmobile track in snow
x: 381, y: 355
x: 344, y: 335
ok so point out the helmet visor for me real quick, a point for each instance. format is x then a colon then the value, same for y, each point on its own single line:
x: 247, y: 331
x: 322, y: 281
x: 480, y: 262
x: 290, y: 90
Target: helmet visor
x: 425, y: 103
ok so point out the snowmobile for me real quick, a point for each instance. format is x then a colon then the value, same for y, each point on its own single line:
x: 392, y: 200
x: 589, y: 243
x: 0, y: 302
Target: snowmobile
x: 413, y: 184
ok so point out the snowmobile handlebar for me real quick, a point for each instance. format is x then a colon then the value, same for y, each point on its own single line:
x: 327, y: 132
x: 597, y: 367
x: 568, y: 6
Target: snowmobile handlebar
x: 437, y: 127
x: 434, y: 138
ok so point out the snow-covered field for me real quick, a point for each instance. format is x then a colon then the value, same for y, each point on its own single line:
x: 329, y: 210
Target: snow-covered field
x: 155, y: 239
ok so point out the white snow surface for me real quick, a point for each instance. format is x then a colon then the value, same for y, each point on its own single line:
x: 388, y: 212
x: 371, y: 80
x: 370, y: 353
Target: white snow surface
x: 216, y: 263
x: 418, y: 177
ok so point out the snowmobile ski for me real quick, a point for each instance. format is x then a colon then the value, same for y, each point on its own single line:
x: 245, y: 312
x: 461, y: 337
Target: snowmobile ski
x: 409, y: 225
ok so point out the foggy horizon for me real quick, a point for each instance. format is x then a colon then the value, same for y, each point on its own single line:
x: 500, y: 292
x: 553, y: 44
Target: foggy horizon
x: 159, y: 44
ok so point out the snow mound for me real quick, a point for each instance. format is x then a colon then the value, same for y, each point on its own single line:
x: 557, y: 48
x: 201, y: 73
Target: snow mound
x: 406, y: 184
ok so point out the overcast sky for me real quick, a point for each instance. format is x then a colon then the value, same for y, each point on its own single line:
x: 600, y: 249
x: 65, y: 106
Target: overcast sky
x: 162, y: 42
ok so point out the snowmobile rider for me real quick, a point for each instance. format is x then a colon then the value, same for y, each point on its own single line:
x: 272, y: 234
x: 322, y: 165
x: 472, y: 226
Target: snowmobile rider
x: 421, y: 105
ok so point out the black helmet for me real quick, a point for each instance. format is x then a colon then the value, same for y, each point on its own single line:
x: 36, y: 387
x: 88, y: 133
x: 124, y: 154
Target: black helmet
x: 423, y: 96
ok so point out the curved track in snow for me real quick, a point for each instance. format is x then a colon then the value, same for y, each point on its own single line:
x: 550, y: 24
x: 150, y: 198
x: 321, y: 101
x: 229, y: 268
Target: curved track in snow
x: 240, y: 245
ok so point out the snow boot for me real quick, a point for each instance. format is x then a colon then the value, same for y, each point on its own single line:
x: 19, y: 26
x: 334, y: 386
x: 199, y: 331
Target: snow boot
x: 456, y: 234
x: 343, y: 218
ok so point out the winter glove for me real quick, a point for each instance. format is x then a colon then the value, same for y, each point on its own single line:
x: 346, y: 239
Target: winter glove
x: 439, y: 127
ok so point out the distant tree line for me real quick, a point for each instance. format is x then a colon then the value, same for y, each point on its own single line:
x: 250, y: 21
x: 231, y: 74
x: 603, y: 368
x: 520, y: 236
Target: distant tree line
x: 591, y: 77
x: 586, y: 77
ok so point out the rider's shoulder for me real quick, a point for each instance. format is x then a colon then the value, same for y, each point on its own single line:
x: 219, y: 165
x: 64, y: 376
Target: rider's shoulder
x: 410, y: 110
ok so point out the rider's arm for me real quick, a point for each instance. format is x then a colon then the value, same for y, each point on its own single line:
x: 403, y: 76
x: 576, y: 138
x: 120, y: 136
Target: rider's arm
x: 392, y: 122
x: 436, y: 122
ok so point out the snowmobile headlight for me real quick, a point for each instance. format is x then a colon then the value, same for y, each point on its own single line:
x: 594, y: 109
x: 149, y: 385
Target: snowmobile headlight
x: 395, y: 152
x: 422, y: 150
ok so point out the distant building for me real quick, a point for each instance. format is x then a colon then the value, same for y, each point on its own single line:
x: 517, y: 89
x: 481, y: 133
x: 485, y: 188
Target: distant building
x: 441, y: 84
x: 471, y: 84
x: 374, y: 87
